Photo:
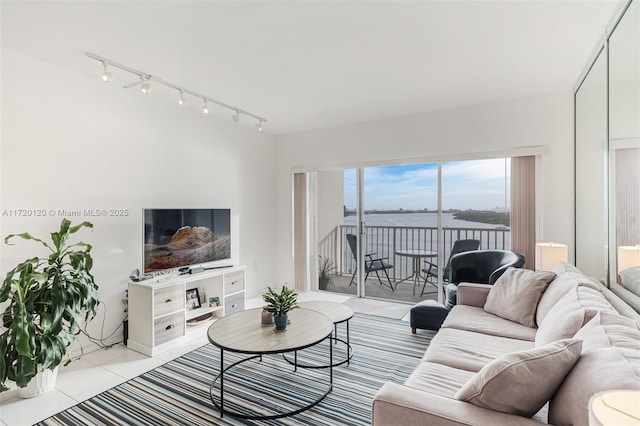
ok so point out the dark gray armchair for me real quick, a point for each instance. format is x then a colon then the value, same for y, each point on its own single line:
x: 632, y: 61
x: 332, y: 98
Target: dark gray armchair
x: 480, y: 266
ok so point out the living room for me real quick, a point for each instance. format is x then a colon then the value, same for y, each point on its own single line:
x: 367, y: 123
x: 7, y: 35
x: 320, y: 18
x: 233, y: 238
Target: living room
x: 71, y: 143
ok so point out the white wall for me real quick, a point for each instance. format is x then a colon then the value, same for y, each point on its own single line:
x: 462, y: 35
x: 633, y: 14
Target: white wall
x: 481, y: 130
x: 69, y: 141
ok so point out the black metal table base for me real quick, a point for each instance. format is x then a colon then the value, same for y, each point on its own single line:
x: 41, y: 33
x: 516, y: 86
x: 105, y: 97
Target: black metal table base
x: 223, y: 411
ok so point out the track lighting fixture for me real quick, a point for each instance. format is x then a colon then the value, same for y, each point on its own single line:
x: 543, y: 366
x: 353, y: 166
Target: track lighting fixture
x: 106, y: 75
x: 145, y: 87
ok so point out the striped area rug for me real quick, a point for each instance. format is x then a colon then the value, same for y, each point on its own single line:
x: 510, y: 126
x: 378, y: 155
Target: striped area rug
x: 178, y: 393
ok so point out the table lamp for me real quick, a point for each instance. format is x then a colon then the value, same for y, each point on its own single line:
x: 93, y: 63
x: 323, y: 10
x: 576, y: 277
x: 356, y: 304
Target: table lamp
x: 615, y: 408
x: 549, y: 255
x: 628, y: 257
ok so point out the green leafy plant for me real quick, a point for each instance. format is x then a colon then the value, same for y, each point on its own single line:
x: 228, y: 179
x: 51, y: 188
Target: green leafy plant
x: 280, y: 303
x: 326, y: 269
x: 49, y: 301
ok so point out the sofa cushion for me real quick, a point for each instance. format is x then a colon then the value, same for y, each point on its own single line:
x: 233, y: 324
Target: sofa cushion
x: 572, y: 311
x: 515, y: 295
x: 630, y: 279
x: 597, y: 370
x: 610, y: 360
x: 567, y: 278
x: 469, y: 351
x: 438, y: 379
x: 522, y: 382
x: 476, y: 319
x: 607, y: 329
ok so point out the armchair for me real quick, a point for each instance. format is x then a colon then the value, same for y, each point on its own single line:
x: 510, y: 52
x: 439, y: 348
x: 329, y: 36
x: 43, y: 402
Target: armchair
x: 481, y: 266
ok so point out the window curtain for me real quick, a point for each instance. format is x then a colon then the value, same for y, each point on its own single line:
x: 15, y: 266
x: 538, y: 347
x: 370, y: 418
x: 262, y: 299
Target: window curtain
x: 523, y: 208
x: 300, y: 231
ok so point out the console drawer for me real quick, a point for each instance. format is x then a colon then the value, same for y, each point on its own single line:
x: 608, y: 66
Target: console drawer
x: 234, y: 303
x: 168, y: 328
x: 233, y: 282
x: 168, y: 299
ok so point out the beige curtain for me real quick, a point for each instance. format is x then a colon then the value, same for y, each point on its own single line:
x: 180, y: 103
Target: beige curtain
x: 300, y: 231
x: 627, y: 196
x: 523, y: 208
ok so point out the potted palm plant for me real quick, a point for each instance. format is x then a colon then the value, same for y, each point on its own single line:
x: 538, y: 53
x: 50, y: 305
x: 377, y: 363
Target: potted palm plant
x: 47, y: 302
x: 326, y: 269
x: 280, y: 304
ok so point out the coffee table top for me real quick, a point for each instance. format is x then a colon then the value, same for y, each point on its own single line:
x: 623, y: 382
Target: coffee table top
x: 337, y: 312
x: 243, y: 332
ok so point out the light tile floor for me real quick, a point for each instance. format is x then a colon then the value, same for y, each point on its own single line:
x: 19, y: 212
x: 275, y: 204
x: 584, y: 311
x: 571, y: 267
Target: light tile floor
x: 98, y: 371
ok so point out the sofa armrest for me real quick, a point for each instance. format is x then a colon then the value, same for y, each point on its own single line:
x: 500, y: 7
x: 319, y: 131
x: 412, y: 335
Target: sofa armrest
x: 396, y: 404
x: 472, y: 294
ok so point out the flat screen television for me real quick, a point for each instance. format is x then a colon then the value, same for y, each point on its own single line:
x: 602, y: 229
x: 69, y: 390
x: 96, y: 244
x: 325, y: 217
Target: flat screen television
x: 178, y: 238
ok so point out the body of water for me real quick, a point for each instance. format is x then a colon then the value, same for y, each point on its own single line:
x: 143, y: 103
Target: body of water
x: 429, y: 220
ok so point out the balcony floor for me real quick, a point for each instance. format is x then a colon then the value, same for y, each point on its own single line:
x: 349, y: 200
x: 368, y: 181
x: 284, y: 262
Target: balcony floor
x: 403, y: 292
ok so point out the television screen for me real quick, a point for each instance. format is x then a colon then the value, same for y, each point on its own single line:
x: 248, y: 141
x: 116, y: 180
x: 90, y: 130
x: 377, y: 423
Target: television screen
x: 176, y: 238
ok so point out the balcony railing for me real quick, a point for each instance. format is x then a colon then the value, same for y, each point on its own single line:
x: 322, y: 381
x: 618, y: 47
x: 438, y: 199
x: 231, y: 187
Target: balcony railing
x: 386, y: 240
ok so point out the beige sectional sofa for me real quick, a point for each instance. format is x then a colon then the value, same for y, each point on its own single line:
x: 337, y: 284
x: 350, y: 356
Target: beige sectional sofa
x: 573, y: 316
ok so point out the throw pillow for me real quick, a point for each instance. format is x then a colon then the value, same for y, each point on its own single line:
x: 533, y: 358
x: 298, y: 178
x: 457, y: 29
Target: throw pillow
x: 522, y: 382
x: 516, y: 294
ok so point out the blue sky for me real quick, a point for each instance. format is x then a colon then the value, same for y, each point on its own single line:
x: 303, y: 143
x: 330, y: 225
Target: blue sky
x: 477, y: 184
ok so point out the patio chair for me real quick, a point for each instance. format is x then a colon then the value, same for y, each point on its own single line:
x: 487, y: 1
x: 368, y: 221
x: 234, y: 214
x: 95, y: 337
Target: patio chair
x: 371, y: 263
x: 431, y: 271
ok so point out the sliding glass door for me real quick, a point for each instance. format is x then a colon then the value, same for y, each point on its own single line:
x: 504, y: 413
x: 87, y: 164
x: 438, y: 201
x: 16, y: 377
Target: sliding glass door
x: 387, y: 232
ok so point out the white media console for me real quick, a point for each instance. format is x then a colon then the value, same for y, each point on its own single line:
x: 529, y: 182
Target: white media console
x: 160, y: 317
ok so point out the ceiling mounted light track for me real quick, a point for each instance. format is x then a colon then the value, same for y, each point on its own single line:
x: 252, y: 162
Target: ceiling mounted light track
x: 145, y: 87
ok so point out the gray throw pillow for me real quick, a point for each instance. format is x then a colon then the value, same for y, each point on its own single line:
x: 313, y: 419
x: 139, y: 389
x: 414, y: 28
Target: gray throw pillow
x: 516, y: 294
x: 522, y: 382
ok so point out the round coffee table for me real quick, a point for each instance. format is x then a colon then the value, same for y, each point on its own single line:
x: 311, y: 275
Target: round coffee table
x: 242, y: 332
x: 338, y: 313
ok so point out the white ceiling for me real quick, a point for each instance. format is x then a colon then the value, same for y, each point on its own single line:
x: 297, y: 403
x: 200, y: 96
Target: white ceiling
x: 307, y: 65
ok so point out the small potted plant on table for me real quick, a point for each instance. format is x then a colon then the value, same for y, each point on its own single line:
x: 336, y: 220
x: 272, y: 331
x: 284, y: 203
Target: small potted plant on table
x: 279, y: 304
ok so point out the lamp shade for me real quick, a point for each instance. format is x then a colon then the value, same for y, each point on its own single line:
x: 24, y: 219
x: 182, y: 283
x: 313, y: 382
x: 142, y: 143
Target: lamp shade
x: 549, y: 255
x: 615, y: 408
x: 628, y: 257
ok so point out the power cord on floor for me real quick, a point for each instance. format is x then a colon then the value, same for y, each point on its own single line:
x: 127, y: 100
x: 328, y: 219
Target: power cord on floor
x: 100, y: 341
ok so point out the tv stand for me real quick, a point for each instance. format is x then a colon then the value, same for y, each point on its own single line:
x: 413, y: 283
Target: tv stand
x: 159, y: 318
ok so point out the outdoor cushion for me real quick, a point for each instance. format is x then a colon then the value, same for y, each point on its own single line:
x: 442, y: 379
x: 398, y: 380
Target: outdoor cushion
x: 475, y: 319
x: 515, y: 295
x: 522, y: 382
x: 571, y: 312
x: 566, y: 279
x: 468, y: 350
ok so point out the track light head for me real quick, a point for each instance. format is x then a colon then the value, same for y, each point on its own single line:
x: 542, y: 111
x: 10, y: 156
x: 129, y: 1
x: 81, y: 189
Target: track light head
x: 106, y: 75
x: 146, y: 85
x: 181, y: 101
x: 236, y: 116
x: 205, y: 107
x: 259, y: 125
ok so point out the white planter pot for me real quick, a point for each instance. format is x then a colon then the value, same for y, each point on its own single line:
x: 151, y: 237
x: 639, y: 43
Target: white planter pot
x: 42, y: 383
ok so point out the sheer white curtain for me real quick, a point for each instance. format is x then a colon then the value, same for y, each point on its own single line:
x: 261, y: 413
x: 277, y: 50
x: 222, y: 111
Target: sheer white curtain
x: 523, y: 208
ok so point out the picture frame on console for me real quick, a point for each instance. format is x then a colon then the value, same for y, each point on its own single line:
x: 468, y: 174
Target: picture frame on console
x: 193, y: 299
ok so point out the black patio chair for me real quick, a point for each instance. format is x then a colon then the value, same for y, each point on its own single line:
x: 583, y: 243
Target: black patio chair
x: 431, y: 271
x: 371, y: 263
